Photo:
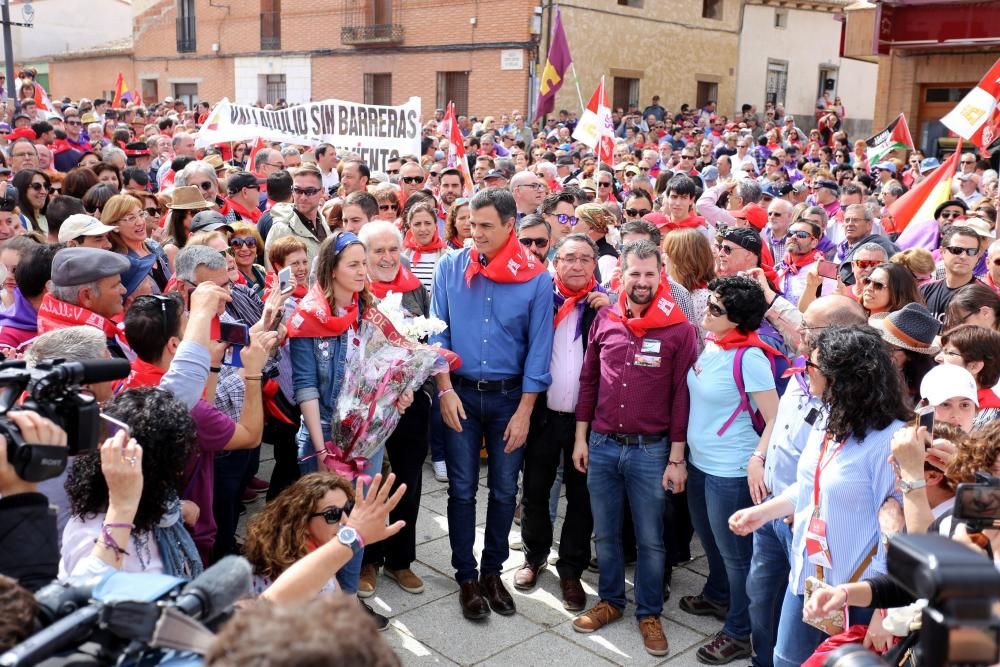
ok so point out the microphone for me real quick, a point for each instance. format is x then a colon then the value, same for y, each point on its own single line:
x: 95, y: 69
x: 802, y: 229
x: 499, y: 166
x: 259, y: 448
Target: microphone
x: 67, y: 632
x: 214, y: 591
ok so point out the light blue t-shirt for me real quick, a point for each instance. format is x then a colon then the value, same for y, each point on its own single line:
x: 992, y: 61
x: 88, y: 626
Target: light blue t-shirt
x: 714, y: 398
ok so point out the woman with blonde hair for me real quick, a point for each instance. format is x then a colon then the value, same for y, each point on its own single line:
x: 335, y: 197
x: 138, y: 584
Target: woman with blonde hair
x: 248, y: 252
x: 599, y: 222
x: 919, y: 261
x: 689, y: 261
x: 131, y: 239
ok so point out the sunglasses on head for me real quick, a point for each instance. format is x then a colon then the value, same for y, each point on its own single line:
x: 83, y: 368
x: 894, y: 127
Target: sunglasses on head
x: 243, y: 241
x: 636, y: 212
x: 308, y: 192
x: 867, y: 263
x: 387, y: 207
x: 957, y: 250
x: 876, y: 285
x: 539, y: 243
x: 412, y: 179
x: 332, y: 515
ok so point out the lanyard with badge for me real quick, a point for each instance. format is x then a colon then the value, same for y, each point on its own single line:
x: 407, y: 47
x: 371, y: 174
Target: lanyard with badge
x: 817, y: 549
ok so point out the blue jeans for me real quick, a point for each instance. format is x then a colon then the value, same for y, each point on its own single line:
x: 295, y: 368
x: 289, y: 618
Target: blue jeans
x: 711, y: 501
x: 487, y: 415
x: 436, y: 429
x: 615, y: 471
x: 797, y: 640
x: 349, y: 575
x: 766, y: 586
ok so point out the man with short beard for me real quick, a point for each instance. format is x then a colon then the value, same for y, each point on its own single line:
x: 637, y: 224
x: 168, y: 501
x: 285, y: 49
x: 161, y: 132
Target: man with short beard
x: 634, y: 448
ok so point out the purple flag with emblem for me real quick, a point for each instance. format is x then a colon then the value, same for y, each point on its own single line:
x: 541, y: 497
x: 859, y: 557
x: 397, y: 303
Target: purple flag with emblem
x: 556, y: 66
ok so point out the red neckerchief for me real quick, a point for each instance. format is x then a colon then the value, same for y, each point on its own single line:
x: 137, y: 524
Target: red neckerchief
x: 411, y: 243
x: 240, y: 278
x: 572, y: 298
x: 314, y: 319
x: 661, y: 312
x: 692, y: 221
x: 734, y: 339
x: 793, y: 265
x: 54, y: 314
x: 144, y: 374
x: 224, y: 205
x: 253, y: 215
x: 441, y: 213
x: 299, y: 291
x: 988, y: 281
x: 404, y: 282
x: 988, y: 399
x: 513, y: 264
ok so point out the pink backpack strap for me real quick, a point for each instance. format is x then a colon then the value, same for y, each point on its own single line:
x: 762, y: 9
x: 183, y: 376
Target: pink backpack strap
x: 740, y: 387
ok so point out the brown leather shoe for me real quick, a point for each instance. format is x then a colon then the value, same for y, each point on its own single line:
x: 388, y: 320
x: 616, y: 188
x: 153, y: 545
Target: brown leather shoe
x: 474, y: 606
x: 497, y: 595
x: 597, y: 617
x: 574, y: 599
x: 366, y: 585
x: 527, y: 575
x: 652, y: 635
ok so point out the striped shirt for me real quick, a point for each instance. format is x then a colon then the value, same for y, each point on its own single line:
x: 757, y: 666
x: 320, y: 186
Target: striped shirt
x: 855, y: 483
x: 424, y: 269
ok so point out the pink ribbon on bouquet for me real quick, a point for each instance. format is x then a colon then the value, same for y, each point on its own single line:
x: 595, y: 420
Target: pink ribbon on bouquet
x: 350, y: 469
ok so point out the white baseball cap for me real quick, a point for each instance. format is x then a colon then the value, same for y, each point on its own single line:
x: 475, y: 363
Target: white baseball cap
x: 81, y: 224
x: 946, y: 381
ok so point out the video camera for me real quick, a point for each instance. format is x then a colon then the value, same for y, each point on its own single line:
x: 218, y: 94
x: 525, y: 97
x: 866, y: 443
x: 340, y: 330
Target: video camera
x: 978, y: 505
x: 54, y: 392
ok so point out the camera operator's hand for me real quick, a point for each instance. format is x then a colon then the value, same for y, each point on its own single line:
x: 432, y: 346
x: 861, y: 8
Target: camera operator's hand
x: 255, y: 355
x: 35, y: 430
x: 371, y: 511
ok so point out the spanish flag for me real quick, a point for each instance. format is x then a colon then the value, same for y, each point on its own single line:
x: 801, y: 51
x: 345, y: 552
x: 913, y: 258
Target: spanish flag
x: 919, y: 203
x: 121, y: 92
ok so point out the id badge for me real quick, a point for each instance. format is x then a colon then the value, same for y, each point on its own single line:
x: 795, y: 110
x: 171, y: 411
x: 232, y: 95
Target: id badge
x: 817, y: 549
x: 231, y: 357
x: 647, y: 360
x: 650, y: 346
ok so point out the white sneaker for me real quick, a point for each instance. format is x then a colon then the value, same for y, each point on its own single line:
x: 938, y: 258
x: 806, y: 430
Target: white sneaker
x: 440, y: 471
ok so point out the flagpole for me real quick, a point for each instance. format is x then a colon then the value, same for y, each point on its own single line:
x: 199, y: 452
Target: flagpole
x: 577, y: 80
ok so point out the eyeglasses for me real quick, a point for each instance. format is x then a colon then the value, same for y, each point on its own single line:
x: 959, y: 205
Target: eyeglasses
x: 434, y: 174
x: 958, y: 250
x: 644, y: 169
x: 533, y: 186
x: 636, y: 212
x: 276, y: 165
x: 388, y: 207
x: 687, y: 157
x: 715, y: 309
x: 799, y: 234
x: 573, y: 259
x: 564, y: 219
x: 204, y: 185
x: 867, y: 263
x: 603, y: 184
x: 953, y: 353
x: 950, y: 215
x: 814, y: 366
x: 410, y: 180
x: 133, y: 218
x: 539, y: 243
x: 875, y: 285
x: 968, y: 162
x: 332, y: 514
x: 39, y: 187
x: 72, y: 122
x: 243, y: 241
x: 726, y: 249
x: 308, y: 192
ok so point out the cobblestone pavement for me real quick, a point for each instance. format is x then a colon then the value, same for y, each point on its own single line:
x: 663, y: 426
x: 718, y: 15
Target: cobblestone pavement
x: 429, y: 628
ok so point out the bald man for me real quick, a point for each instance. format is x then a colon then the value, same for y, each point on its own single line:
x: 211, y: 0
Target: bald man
x: 528, y: 191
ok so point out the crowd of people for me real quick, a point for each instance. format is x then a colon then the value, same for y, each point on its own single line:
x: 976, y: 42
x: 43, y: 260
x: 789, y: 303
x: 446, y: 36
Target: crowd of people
x: 721, y: 333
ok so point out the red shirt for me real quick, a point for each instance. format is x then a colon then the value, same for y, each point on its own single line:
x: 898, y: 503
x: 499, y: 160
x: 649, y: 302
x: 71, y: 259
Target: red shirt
x: 619, y: 395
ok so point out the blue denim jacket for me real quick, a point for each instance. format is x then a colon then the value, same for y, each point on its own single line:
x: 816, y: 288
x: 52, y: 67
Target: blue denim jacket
x: 318, y: 370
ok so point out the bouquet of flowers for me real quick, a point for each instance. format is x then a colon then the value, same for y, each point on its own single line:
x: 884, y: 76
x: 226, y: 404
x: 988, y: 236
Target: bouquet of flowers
x: 389, y: 360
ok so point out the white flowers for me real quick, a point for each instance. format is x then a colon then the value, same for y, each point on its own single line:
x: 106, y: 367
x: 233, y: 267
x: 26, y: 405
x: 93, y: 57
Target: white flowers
x: 414, y: 328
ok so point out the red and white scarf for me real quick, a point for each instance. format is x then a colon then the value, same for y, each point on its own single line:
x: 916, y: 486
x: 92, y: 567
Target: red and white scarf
x: 661, y: 312
x: 513, y: 264
x: 313, y: 317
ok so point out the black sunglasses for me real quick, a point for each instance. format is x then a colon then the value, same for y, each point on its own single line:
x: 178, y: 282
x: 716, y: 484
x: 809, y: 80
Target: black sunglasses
x: 541, y: 243
x: 636, y: 212
x: 955, y: 250
x: 387, y: 207
x: 716, y: 309
x: 204, y: 185
x: 308, y: 192
x: 332, y: 515
x: 412, y: 179
x: 799, y: 235
x: 949, y: 215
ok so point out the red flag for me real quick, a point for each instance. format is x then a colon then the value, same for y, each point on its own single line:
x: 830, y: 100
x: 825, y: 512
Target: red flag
x: 595, y: 128
x: 456, y: 149
x: 120, y: 89
x: 41, y: 99
x: 919, y: 203
x: 977, y: 117
x: 259, y: 144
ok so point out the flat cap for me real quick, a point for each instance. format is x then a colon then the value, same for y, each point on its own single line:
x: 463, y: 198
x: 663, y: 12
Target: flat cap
x: 77, y: 266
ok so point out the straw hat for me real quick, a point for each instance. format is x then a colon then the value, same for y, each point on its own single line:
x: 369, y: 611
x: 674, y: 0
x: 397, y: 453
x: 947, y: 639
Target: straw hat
x: 188, y: 197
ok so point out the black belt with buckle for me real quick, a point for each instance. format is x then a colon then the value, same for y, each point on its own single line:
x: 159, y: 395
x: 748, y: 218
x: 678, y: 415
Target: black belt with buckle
x: 633, y: 439
x: 507, y: 384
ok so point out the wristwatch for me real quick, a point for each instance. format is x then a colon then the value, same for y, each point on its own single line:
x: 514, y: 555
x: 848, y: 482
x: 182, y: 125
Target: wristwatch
x: 350, y: 538
x: 907, y: 486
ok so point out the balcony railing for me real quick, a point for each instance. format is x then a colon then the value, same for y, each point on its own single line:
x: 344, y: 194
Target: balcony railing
x: 388, y: 33
x: 186, y: 34
x: 270, y: 31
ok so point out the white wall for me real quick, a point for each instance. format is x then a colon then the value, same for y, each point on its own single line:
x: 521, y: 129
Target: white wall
x: 297, y: 71
x: 810, y: 39
x: 69, y: 25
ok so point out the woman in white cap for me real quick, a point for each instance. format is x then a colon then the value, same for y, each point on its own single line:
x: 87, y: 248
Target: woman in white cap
x: 977, y: 350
